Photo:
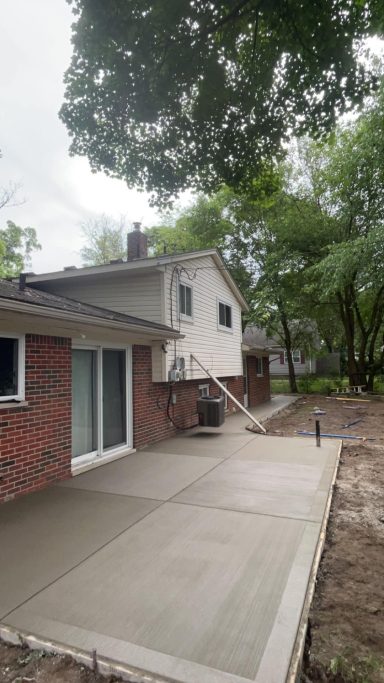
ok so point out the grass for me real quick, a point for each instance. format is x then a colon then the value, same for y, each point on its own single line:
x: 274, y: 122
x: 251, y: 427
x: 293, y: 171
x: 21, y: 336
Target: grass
x: 309, y: 384
x: 351, y: 670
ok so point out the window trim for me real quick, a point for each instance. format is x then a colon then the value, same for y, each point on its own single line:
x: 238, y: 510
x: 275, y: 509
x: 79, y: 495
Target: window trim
x: 224, y: 328
x: 102, y: 455
x: 20, y: 396
x: 184, y: 316
x: 222, y: 393
x: 203, y: 387
x: 295, y: 362
x: 259, y: 359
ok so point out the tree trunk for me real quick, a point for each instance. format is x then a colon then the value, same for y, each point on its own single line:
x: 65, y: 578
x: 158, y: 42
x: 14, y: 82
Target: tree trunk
x: 288, y: 347
x: 355, y: 371
x: 292, y: 376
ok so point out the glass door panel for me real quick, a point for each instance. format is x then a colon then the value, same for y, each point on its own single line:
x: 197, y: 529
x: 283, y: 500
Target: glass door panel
x: 114, y: 398
x: 84, y: 402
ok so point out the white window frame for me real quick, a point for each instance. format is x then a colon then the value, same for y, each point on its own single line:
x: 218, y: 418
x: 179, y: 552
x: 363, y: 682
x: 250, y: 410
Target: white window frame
x: 20, y: 396
x: 104, y: 454
x: 222, y: 393
x: 184, y: 316
x: 203, y: 390
x: 224, y: 328
x: 295, y: 362
x: 259, y: 360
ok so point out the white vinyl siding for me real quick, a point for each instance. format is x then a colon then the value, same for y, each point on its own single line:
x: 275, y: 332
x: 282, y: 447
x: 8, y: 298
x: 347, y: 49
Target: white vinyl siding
x: 281, y: 369
x: 218, y: 351
x: 131, y: 294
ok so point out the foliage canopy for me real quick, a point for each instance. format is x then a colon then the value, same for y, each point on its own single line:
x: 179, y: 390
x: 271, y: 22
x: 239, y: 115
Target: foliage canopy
x: 16, y: 247
x: 104, y: 240
x: 176, y: 94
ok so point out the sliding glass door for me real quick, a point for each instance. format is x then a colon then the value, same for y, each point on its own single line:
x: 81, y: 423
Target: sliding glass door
x: 114, y: 398
x: 84, y: 402
x: 100, y: 399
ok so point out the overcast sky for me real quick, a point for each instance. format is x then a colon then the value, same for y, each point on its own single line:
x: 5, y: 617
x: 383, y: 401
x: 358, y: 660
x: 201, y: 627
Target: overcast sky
x: 59, y: 191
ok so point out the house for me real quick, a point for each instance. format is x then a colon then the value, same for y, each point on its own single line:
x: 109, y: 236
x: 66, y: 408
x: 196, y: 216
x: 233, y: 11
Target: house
x: 48, y: 411
x: 97, y: 361
x: 303, y: 361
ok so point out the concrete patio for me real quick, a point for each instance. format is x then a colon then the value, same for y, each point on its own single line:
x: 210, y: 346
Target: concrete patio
x: 189, y: 560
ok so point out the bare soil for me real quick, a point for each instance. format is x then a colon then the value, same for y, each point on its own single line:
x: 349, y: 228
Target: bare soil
x: 346, y: 627
x: 345, y: 641
x: 22, y: 665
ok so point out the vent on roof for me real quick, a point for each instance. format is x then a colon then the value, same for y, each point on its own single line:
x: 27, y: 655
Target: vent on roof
x: 70, y: 268
x: 113, y: 261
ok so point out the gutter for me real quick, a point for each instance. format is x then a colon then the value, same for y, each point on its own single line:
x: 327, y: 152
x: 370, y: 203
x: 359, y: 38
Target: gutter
x: 62, y: 314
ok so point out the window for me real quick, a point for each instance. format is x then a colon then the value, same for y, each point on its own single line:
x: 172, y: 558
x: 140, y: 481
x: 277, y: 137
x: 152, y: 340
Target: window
x: 185, y: 301
x: 100, y: 401
x: 203, y: 390
x: 225, y: 316
x: 259, y: 367
x: 225, y: 384
x: 296, y: 356
x: 12, y: 367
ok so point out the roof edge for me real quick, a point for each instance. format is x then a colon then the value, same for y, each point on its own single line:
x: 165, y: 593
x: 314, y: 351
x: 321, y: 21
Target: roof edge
x: 55, y: 313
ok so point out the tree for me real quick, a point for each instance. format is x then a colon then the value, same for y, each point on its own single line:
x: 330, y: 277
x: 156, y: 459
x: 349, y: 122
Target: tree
x: 8, y: 193
x: 349, y: 184
x: 175, y: 94
x: 255, y: 238
x: 105, y: 240
x: 16, y: 247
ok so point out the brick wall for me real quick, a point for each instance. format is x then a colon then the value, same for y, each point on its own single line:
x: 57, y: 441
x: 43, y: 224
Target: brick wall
x: 35, y: 440
x: 150, y: 420
x: 259, y: 388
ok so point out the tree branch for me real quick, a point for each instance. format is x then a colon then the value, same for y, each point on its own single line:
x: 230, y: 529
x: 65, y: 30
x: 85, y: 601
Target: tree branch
x: 234, y: 14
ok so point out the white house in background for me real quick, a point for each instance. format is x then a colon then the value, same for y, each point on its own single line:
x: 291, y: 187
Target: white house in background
x: 303, y: 362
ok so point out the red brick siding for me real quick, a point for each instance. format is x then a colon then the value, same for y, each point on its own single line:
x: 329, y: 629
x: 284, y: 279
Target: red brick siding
x: 150, y: 420
x: 35, y: 441
x: 258, y: 387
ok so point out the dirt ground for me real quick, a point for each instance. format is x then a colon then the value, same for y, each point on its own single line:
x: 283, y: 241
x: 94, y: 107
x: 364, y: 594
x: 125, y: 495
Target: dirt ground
x: 345, y: 641
x: 22, y: 665
x: 346, y: 635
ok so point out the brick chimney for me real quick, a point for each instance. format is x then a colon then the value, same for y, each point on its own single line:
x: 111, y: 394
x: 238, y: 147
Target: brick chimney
x: 137, y: 243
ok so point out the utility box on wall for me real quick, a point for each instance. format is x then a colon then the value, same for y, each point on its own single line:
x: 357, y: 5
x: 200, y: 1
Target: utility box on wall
x: 211, y: 411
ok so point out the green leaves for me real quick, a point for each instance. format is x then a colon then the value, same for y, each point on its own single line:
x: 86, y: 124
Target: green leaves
x: 104, y: 240
x: 16, y: 246
x: 175, y: 94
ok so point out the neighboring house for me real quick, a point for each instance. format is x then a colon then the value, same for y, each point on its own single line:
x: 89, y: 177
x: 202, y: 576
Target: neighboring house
x: 304, y: 363
x: 278, y: 362
x: 100, y: 382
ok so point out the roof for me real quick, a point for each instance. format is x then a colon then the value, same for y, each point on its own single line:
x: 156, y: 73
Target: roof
x: 256, y: 339
x: 138, y: 264
x: 10, y: 292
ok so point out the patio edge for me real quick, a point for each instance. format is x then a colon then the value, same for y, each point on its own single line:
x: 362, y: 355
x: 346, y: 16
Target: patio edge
x: 299, y: 646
